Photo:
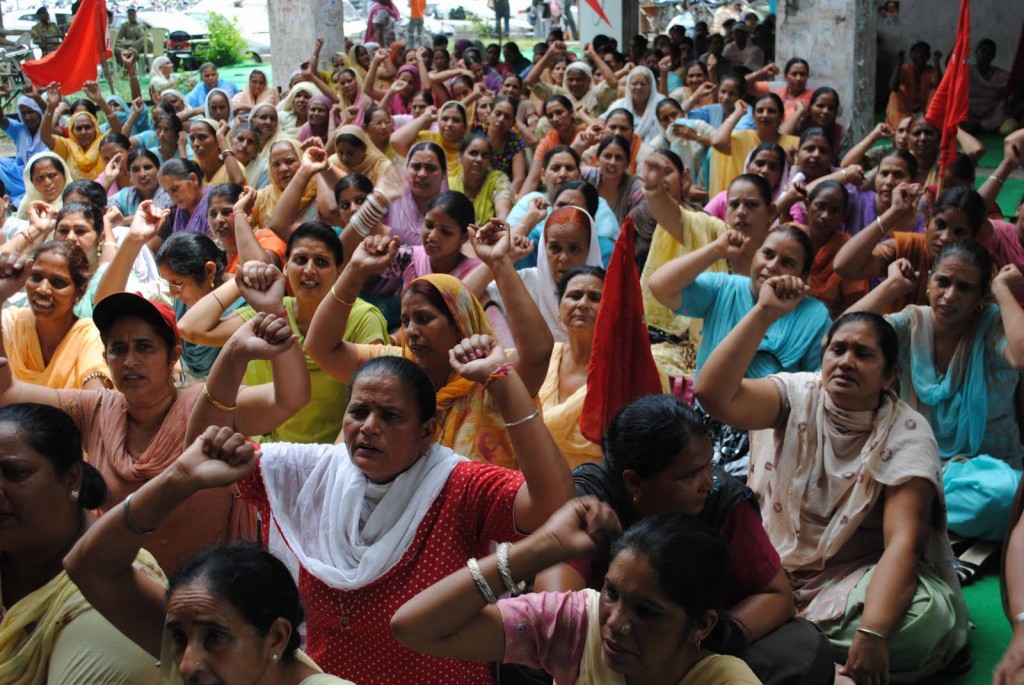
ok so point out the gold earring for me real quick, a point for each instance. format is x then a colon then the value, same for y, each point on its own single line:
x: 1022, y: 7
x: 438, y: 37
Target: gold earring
x: 636, y: 497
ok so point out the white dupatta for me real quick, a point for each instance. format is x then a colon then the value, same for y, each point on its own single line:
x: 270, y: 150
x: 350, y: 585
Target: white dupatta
x: 345, y: 530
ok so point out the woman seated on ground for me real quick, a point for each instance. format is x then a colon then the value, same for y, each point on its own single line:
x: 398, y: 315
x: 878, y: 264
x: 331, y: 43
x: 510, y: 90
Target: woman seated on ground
x: 81, y: 150
x: 50, y: 633
x: 439, y: 510
x: 213, y: 152
x: 294, y: 109
x: 83, y: 224
x: 676, y: 183
x: 379, y: 127
x: 114, y: 149
x: 285, y: 159
x: 568, y: 240
x: 161, y: 77
x: 690, y: 139
x: 960, y: 360
x: 658, y: 460
x: 561, y: 166
x: 564, y: 391
x: 143, y: 172
x: 255, y: 91
x: 47, y: 343
x: 731, y: 147
x: 957, y: 215
x: 355, y: 153
x: 170, y: 144
x: 912, y: 84
x: 894, y: 167
x: 667, y: 563
x: 823, y: 220
x: 820, y: 113
x: 246, y: 143
x: 619, y: 122
x: 488, y: 189
x: 436, y: 311
x: 722, y: 300
x: 452, y: 126
x: 249, y: 590
x: 445, y: 233
x: 182, y: 180
x: 320, y: 122
x: 134, y: 433
x: 814, y: 162
x: 767, y: 160
x: 620, y: 189
x: 682, y: 232
x: 848, y: 477
x: 426, y: 175
x: 46, y: 175
x: 559, y: 113
x: 507, y: 145
x: 641, y: 101
x: 191, y: 264
x: 312, y: 264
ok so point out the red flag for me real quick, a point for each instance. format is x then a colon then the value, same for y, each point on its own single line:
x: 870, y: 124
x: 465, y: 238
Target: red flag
x: 621, y: 365
x: 599, y: 10
x: 949, y: 105
x: 74, y: 62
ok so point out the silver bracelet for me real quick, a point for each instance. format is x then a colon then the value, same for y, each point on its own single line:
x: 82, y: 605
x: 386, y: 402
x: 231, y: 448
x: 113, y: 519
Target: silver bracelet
x: 481, y: 582
x: 372, y: 211
x: 523, y: 420
x: 506, y: 571
x: 1018, y: 619
x: 881, y: 228
x: 130, y: 522
x: 995, y: 178
x: 872, y: 633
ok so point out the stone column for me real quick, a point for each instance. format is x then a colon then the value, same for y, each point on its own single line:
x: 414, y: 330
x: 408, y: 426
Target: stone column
x: 294, y: 27
x: 838, y: 39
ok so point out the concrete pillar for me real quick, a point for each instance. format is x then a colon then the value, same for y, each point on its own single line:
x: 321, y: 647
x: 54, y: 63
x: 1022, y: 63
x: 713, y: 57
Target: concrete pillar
x: 837, y: 38
x: 623, y: 20
x: 294, y: 27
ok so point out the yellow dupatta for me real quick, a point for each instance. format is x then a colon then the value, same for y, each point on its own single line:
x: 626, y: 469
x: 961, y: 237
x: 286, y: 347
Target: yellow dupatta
x: 31, y: 627
x: 374, y: 164
x: 84, y: 163
x: 79, y: 354
x: 268, y: 196
x: 469, y: 422
x: 563, y: 418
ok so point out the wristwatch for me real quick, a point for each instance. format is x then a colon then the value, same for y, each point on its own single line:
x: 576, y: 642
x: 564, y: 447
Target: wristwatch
x: 225, y: 153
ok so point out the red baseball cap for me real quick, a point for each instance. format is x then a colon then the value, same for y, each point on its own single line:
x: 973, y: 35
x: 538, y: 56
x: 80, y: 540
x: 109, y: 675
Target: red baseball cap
x: 113, y: 307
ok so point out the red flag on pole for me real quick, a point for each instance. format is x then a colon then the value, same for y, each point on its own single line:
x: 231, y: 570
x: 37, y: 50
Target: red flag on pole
x: 949, y: 105
x: 621, y: 365
x: 74, y: 62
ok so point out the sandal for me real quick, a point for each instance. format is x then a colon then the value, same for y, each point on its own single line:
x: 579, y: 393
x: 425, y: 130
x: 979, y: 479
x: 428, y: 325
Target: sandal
x: 966, y: 572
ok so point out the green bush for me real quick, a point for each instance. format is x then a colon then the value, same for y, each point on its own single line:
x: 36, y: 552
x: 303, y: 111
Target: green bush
x: 227, y: 44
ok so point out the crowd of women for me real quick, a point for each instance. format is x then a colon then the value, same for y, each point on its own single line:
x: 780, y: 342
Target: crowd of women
x: 291, y: 382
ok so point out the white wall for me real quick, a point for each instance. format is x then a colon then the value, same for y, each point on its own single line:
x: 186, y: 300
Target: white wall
x: 837, y: 38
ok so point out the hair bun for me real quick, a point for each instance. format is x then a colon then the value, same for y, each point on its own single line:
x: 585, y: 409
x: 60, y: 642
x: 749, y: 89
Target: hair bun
x: 94, y: 490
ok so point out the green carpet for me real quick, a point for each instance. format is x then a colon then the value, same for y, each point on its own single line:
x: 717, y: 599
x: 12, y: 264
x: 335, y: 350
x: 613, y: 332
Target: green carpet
x: 989, y: 636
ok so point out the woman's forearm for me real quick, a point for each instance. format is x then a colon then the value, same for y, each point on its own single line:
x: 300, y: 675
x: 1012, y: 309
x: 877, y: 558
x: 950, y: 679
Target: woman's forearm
x: 101, y: 562
x: 530, y: 331
x: 287, y: 209
x: 115, y: 278
x: 222, y: 386
x: 249, y: 248
x: 669, y: 280
x: 325, y: 338
x: 721, y: 139
x: 202, y: 323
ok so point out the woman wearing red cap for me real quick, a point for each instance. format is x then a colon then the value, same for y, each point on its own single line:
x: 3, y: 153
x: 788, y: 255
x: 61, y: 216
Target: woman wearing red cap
x: 135, y: 432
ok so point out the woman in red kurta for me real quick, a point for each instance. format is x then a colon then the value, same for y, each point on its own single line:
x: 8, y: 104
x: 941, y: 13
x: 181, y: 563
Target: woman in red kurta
x: 372, y: 521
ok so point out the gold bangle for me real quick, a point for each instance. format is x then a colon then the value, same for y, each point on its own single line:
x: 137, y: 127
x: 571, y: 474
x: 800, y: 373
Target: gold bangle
x: 341, y: 301
x: 215, y: 403
x: 94, y: 375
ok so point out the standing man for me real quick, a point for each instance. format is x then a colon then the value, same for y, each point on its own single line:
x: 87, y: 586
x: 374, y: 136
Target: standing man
x: 416, y: 10
x: 47, y: 35
x: 501, y: 11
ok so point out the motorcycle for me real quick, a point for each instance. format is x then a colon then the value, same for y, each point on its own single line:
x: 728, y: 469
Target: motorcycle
x: 180, y: 51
